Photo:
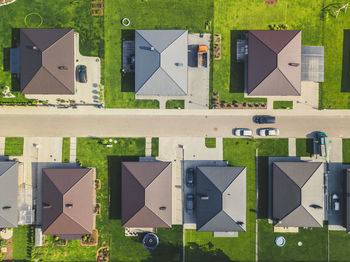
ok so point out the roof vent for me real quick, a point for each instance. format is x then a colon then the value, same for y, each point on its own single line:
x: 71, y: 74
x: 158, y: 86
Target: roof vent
x: 63, y: 68
x: 294, y: 64
x: 6, y: 208
x: 162, y: 208
x: 69, y: 205
x: 204, y: 197
x: 35, y: 48
x: 179, y: 64
x: 315, y: 206
x: 151, y: 48
x: 240, y: 223
x: 45, y: 205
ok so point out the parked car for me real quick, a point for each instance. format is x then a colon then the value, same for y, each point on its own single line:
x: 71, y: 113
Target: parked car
x: 268, y: 132
x: 81, y: 73
x: 132, y: 60
x: 190, y: 177
x: 335, y: 202
x: 190, y: 203
x: 243, y: 132
x: 265, y: 119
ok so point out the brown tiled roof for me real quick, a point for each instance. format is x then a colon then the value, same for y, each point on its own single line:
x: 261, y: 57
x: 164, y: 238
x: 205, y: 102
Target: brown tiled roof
x: 272, y: 63
x: 47, y: 61
x: 67, y: 204
x: 146, y: 194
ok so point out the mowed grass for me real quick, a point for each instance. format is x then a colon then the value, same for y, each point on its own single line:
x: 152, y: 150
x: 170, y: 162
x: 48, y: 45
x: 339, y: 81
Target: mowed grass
x: 155, y: 146
x: 210, y: 142
x: 14, y: 146
x: 175, y: 104
x: 233, y: 18
x: 202, y: 246
x: 304, y: 147
x: 67, y: 14
x: 66, y: 149
x: 282, y: 104
x: 150, y: 14
x: 346, y: 151
x: 22, y: 243
x: 339, y: 246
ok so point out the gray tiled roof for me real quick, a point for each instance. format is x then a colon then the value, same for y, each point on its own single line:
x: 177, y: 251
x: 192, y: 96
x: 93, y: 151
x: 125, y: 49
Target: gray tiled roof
x: 161, y: 62
x: 223, y: 209
x: 297, y: 197
x: 8, y: 194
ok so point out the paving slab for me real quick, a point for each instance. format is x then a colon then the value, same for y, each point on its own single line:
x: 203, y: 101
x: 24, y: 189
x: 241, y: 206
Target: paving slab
x: 292, y: 147
x: 73, y: 149
x: 2, y: 146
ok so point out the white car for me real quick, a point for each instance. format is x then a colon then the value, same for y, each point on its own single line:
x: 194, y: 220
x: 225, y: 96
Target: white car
x: 336, y: 202
x: 268, y: 132
x: 243, y: 132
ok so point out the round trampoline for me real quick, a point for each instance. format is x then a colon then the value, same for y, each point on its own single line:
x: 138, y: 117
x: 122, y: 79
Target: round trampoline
x: 280, y: 241
x: 150, y: 241
x: 125, y: 21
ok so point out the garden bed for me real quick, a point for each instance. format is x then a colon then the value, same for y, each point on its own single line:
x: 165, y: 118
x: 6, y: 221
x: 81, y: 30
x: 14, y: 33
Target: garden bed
x: 98, y: 209
x: 97, y: 184
x: 217, y: 47
x: 90, y: 239
x: 59, y: 242
x: 220, y: 104
x: 102, y: 254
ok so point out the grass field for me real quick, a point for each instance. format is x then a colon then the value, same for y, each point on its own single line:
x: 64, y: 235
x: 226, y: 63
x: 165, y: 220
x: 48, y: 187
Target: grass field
x: 346, y: 151
x: 282, y: 104
x: 231, y: 17
x: 304, y: 146
x: 66, y: 149
x: 22, y: 243
x: 150, y: 14
x: 155, y: 146
x: 14, y: 146
x: 67, y: 14
x: 175, y: 104
x: 210, y: 142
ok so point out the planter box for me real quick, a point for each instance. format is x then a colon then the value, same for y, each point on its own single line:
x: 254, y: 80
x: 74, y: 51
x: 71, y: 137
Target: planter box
x: 94, y: 237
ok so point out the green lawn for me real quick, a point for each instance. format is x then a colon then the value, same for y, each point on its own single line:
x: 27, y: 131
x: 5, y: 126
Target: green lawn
x: 155, y: 146
x: 67, y: 14
x: 23, y: 242
x: 339, y: 246
x: 232, y: 18
x: 14, y: 146
x: 282, y: 104
x: 210, y: 142
x: 346, y: 151
x: 314, y: 244
x: 304, y: 146
x: 66, y: 149
x: 147, y: 14
x: 202, y: 246
x: 175, y: 104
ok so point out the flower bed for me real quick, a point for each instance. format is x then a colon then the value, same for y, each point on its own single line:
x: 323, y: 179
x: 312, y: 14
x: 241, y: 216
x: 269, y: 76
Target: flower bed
x: 90, y: 239
x: 97, y: 210
x: 97, y: 184
x: 217, y: 47
x: 59, y: 242
x: 219, y: 104
x: 102, y: 254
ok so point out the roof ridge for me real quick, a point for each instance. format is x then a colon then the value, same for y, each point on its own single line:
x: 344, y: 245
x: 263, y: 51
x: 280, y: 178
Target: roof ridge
x: 211, y: 218
x: 133, y: 176
x: 7, y: 221
x: 243, y: 167
x: 286, y: 174
x: 13, y: 164
x: 295, y: 34
x: 233, y: 220
x: 59, y: 39
x: 174, y: 40
x: 265, y: 44
x: 310, y: 215
x: 69, y: 217
x: 83, y: 176
x: 151, y: 75
x: 55, y: 76
x: 286, y: 79
x: 318, y: 166
x: 172, y: 80
x: 158, y: 174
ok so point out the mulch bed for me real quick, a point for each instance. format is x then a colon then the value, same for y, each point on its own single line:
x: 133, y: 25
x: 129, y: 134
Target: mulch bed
x: 93, y: 237
x: 8, y: 255
x: 218, y: 104
x: 217, y: 47
x: 102, y: 254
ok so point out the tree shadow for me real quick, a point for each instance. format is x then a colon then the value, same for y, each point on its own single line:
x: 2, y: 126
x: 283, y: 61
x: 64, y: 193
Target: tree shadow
x: 15, y: 82
x: 15, y: 37
x: 345, y: 79
x: 6, y: 60
x: 114, y: 182
x: 263, y: 185
x: 236, y: 68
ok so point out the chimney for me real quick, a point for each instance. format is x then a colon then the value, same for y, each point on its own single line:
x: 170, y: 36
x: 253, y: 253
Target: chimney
x: 152, y: 48
x: 35, y: 48
x: 63, y: 68
x: 45, y: 205
x: 162, y: 208
x: 69, y: 205
x: 6, y: 208
x: 294, y: 64
x: 204, y: 197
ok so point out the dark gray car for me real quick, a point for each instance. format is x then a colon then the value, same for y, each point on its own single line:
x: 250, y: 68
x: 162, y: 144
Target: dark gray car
x: 81, y: 73
x: 264, y: 119
x: 189, y: 203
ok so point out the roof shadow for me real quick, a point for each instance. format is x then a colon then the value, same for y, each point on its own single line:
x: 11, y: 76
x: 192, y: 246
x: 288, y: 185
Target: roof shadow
x: 236, y: 68
x: 127, y: 78
x: 114, y: 183
x: 345, y: 79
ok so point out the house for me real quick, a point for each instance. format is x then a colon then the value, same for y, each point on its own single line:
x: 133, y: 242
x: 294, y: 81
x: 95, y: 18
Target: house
x: 146, y: 194
x: 274, y: 63
x: 67, y: 201
x: 297, y: 194
x: 8, y: 194
x: 161, y: 62
x: 46, y: 61
x: 221, y: 199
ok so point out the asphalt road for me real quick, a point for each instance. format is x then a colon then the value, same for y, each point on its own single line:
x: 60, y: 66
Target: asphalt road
x: 157, y: 125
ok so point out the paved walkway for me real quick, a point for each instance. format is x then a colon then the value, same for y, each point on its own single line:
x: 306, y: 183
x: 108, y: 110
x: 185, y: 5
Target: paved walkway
x: 148, y: 146
x: 2, y: 146
x: 73, y: 150
x: 292, y: 147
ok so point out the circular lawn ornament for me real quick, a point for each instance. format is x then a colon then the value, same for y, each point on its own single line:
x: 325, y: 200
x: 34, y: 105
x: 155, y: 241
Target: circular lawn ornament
x: 125, y: 21
x: 33, y: 20
x: 150, y: 241
x: 300, y: 243
x: 280, y: 241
